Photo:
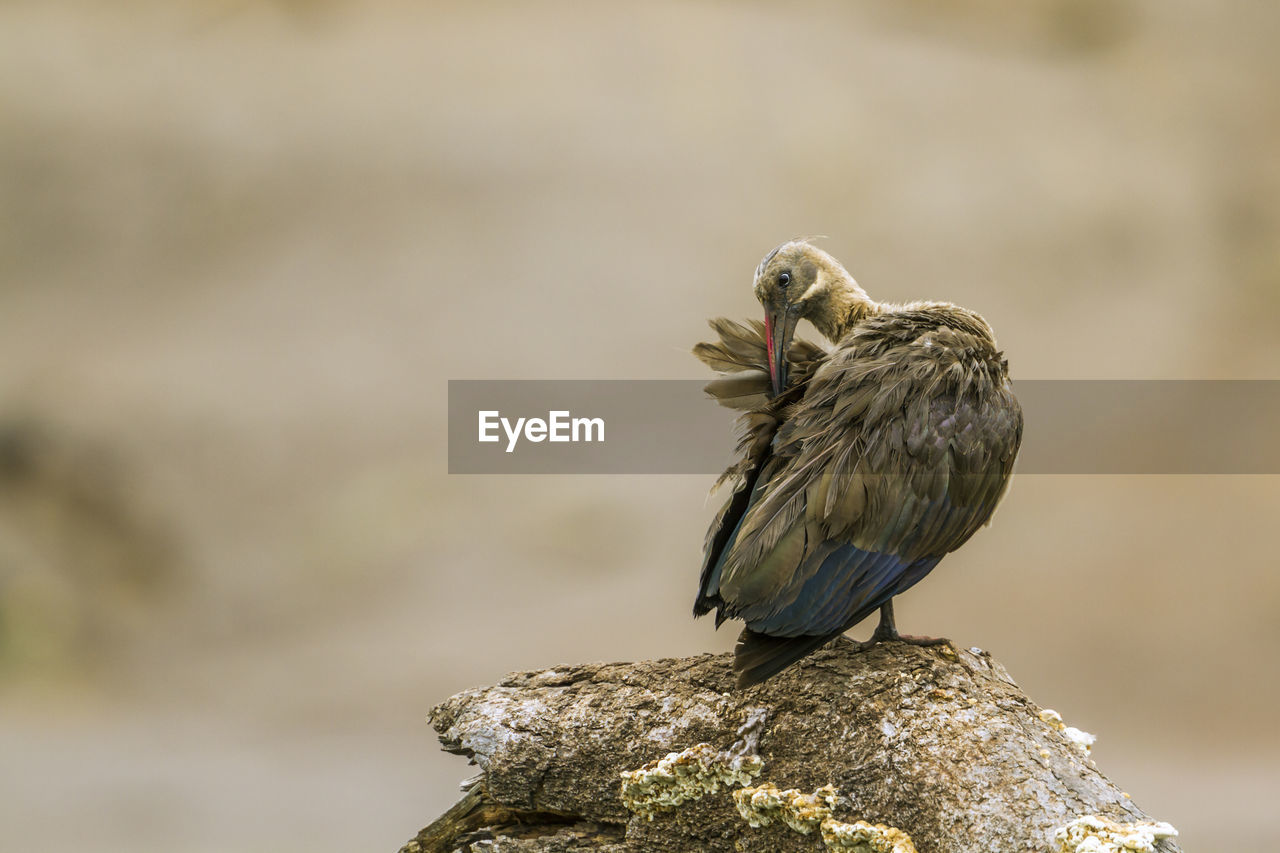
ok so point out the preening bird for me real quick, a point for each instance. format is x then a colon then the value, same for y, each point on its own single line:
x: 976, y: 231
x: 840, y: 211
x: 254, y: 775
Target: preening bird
x: 863, y: 464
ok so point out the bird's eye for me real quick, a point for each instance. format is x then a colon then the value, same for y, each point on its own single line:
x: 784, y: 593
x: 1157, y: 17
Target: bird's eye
x: 784, y: 279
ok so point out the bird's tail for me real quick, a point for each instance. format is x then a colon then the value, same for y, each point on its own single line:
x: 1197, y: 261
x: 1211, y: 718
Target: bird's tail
x: 759, y: 656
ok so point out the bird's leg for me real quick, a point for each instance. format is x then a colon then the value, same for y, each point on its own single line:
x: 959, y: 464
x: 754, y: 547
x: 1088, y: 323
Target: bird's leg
x: 887, y: 631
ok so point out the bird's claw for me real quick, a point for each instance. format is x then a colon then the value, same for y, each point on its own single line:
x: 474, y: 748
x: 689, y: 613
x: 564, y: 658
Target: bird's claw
x: 913, y: 640
x: 894, y: 637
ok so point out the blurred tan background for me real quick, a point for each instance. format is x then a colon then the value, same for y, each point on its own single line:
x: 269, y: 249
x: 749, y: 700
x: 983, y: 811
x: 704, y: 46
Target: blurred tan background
x: 243, y: 245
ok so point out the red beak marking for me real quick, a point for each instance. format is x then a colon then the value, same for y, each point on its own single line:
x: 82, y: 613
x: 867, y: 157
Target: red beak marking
x: 768, y: 346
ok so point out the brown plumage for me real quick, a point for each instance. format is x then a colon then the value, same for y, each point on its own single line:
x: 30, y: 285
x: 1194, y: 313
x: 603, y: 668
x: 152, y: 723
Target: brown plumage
x: 862, y: 465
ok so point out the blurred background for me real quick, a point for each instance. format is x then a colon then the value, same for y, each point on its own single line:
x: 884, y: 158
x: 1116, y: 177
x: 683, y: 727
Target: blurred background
x: 243, y: 245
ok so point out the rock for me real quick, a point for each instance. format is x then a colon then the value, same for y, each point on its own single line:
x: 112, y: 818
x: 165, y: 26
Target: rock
x: 881, y: 750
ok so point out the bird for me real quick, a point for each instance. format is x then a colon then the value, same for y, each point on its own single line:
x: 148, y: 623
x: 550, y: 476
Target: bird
x: 862, y: 464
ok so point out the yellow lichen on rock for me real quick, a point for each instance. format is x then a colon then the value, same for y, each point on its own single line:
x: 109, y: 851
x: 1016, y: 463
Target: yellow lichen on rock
x: 863, y: 837
x: 765, y: 804
x: 682, y: 776
x: 1082, y: 740
x: 762, y: 805
x: 1094, y: 834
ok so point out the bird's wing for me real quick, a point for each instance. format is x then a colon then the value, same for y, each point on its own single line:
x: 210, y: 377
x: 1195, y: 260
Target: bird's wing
x: 740, y: 357
x: 874, y: 475
x: 742, y: 360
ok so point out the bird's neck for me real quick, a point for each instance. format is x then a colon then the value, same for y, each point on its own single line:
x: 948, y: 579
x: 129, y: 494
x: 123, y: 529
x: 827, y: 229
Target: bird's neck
x: 846, y: 307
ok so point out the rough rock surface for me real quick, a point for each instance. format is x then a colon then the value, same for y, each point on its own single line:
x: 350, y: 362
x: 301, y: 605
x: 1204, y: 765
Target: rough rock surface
x: 937, y: 743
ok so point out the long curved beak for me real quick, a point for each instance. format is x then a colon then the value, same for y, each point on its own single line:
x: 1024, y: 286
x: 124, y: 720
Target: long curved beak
x: 779, y: 325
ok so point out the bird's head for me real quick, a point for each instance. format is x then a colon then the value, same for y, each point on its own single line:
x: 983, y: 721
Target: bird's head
x: 798, y: 280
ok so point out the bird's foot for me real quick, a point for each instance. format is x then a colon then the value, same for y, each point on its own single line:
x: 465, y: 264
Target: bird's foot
x: 887, y: 632
x: 883, y: 635
x: 913, y: 640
